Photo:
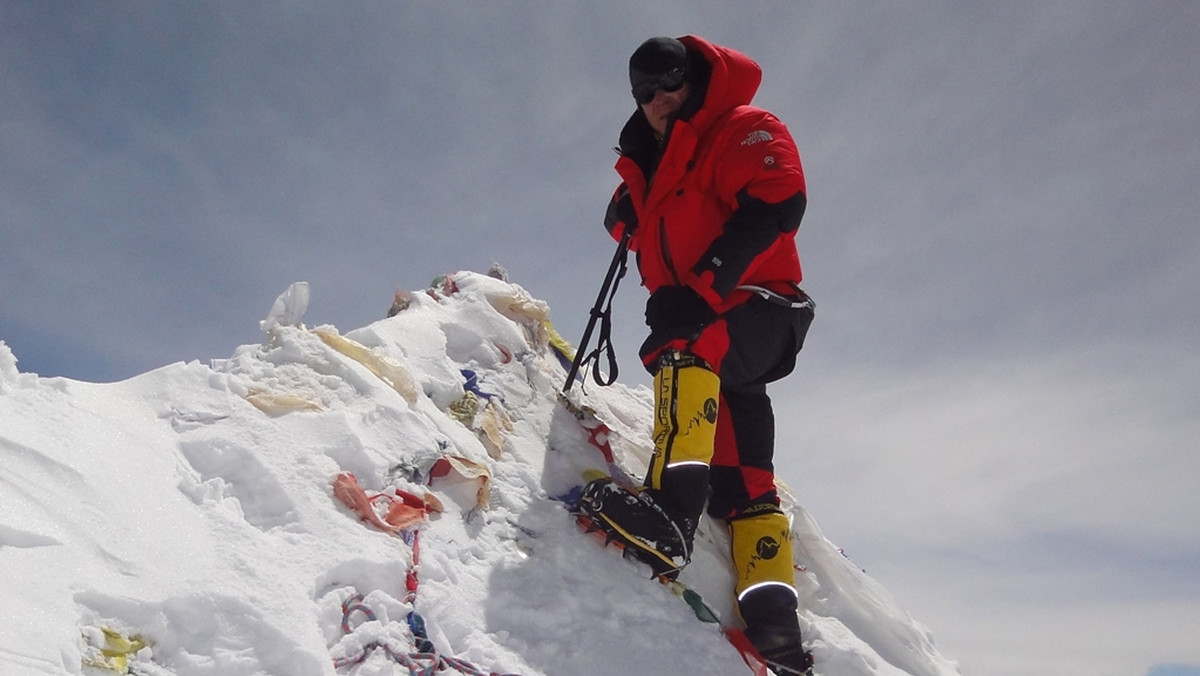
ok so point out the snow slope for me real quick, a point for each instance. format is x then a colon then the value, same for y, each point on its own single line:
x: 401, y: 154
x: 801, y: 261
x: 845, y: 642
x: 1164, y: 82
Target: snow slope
x: 192, y: 509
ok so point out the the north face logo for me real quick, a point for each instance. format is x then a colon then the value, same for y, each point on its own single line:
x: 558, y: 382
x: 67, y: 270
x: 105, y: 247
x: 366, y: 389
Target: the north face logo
x: 757, y: 136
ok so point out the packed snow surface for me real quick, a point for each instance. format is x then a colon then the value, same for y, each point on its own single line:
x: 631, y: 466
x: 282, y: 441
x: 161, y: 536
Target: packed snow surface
x: 185, y: 521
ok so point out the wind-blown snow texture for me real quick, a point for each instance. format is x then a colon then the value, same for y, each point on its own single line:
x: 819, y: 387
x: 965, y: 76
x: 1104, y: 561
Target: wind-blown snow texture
x: 192, y: 507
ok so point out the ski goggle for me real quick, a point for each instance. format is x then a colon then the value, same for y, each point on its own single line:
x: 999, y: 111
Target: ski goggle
x: 648, y: 86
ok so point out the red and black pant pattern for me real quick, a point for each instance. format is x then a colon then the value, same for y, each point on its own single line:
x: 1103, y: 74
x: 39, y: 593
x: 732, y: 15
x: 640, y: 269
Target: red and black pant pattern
x: 753, y: 344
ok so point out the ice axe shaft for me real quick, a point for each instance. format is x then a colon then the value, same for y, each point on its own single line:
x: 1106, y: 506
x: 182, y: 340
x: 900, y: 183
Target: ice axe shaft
x: 602, y: 312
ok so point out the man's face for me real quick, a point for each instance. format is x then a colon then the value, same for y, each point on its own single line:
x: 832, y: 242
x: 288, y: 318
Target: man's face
x: 663, y: 106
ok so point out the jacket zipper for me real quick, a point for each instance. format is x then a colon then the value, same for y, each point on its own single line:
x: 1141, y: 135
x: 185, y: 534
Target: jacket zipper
x: 665, y: 251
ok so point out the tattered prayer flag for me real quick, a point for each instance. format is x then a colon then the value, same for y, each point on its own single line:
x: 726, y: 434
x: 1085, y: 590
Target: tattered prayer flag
x: 465, y: 470
x: 405, y: 511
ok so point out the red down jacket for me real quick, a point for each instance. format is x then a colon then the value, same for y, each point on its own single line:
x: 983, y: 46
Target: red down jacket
x: 719, y: 205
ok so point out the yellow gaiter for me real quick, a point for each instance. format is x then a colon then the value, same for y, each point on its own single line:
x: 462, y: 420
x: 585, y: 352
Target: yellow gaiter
x: 762, y: 549
x: 686, y: 393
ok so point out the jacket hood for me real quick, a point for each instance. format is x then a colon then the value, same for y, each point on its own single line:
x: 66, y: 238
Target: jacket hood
x: 733, y: 81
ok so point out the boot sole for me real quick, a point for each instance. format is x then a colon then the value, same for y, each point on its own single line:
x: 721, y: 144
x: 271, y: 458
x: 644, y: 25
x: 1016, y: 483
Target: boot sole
x: 609, y: 534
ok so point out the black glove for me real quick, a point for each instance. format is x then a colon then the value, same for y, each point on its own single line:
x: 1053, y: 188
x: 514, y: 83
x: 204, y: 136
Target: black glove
x: 677, y: 306
x: 620, y: 210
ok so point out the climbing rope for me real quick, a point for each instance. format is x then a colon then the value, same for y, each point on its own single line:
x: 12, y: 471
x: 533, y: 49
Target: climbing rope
x: 423, y: 660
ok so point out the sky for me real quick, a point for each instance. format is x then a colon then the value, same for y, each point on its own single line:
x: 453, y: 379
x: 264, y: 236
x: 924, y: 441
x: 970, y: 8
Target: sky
x: 996, y: 410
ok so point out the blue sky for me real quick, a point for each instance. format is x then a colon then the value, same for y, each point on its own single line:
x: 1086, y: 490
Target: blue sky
x: 996, y: 411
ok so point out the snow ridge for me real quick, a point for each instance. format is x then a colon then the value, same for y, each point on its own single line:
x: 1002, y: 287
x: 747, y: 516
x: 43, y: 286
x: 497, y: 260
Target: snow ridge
x: 184, y: 521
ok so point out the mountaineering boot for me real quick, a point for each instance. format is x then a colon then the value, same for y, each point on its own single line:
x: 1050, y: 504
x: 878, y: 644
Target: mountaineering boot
x: 657, y: 522
x: 631, y: 519
x: 781, y: 649
x: 766, y: 594
x: 686, y: 396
